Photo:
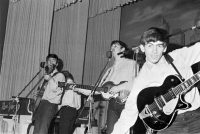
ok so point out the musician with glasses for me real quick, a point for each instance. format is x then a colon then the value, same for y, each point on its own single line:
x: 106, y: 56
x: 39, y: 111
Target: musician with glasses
x: 159, y: 91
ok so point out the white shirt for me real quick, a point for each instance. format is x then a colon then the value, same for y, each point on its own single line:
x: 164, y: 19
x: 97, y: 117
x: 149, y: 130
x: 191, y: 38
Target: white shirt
x: 154, y: 75
x: 71, y: 98
x: 123, y: 70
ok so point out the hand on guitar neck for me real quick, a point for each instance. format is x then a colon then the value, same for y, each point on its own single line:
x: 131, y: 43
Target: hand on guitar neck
x: 117, y: 88
x: 108, y: 90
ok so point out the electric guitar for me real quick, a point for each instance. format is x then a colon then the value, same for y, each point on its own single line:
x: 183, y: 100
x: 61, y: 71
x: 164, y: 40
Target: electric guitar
x: 104, y: 90
x: 158, y: 106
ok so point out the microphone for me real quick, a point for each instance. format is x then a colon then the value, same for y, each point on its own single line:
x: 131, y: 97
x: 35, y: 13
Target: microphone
x: 49, y: 70
x: 126, y: 52
x: 130, y: 52
x: 109, y: 54
x: 135, y: 49
x: 185, y: 30
x: 42, y: 64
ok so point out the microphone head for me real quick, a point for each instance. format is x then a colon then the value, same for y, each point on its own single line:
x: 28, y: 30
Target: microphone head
x: 42, y: 64
x: 109, y: 54
x: 50, y: 69
x: 136, y: 49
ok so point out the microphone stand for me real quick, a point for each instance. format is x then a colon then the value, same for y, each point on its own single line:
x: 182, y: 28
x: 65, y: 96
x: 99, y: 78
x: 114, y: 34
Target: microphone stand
x: 28, y: 83
x: 183, y: 31
x: 90, y: 99
x: 16, y: 98
x: 136, y: 51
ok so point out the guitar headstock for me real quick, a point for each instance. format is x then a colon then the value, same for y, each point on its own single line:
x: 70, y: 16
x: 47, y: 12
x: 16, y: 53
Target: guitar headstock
x: 65, y: 85
x: 61, y: 84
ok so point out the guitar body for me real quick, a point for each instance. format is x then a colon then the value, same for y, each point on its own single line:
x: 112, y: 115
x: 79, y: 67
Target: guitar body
x: 156, y: 112
x: 119, y: 97
x: 40, y: 93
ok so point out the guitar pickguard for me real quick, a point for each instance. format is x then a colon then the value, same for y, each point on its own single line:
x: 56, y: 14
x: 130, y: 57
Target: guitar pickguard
x: 170, y: 106
x: 119, y: 97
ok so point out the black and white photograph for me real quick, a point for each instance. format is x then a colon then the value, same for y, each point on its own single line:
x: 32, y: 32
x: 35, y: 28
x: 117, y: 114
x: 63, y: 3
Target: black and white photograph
x: 99, y: 66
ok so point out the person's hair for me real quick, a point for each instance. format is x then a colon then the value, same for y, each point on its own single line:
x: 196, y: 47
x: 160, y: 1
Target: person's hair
x: 67, y: 75
x: 52, y: 56
x: 154, y: 34
x: 122, y: 44
x: 60, y: 65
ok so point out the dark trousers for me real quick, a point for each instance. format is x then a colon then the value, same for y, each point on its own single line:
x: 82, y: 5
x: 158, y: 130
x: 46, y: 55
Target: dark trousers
x: 43, y: 117
x: 113, y: 114
x: 185, y: 123
x: 67, y: 120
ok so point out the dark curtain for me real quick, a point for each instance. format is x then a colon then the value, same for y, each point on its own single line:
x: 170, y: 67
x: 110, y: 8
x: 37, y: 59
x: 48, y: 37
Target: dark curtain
x: 3, y: 17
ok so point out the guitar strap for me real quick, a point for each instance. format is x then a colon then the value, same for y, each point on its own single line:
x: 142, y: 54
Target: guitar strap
x: 105, y: 78
x: 45, y: 81
x: 41, y: 91
x: 170, y: 60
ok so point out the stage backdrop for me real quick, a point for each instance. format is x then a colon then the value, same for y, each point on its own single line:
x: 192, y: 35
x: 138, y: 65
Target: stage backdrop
x: 173, y: 15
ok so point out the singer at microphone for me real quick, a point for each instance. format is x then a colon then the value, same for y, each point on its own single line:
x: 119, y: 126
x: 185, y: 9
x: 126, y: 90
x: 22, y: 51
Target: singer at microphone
x: 121, y: 74
x: 49, y: 95
x: 47, y: 69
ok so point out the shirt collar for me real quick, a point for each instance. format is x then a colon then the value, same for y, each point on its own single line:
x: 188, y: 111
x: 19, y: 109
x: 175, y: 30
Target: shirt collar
x: 150, y: 65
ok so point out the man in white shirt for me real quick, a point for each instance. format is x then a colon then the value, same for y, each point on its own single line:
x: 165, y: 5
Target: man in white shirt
x: 153, y: 74
x: 118, y: 78
x: 71, y: 102
x: 121, y: 74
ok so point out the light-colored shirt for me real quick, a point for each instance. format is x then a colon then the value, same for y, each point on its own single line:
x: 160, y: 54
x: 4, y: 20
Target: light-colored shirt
x: 123, y: 70
x: 71, y: 98
x: 52, y: 92
x: 154, y: 75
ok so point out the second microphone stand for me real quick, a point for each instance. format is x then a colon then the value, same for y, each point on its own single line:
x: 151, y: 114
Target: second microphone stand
x: 16, y: 98
x: 90, y: 99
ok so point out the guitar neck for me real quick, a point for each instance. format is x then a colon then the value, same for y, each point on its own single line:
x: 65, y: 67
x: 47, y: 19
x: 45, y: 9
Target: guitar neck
x: 183, y: 87
x: 186, y: 85
x: 87, y: 87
